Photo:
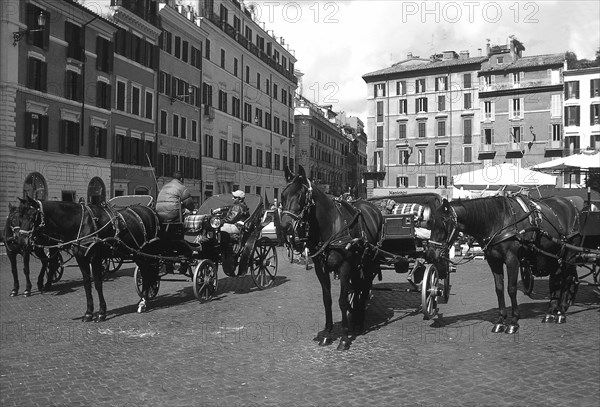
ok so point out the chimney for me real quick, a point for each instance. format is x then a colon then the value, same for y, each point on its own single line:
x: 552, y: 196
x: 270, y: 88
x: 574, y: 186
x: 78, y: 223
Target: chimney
x: 479, y: 52
x: 464, y: 54
x: 409, y: 55
x: 488, y: 47
x: 446, y: 55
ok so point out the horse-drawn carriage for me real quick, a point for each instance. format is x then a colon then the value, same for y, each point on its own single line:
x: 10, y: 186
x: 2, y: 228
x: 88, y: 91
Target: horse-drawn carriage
x: 196, y: 247
x: 405, y: 234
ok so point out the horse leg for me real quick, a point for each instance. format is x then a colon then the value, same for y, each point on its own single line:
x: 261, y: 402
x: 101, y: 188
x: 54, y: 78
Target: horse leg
x: 98, y: 270
x: 512, y: 271
x: 84, y: 266
x: 26, y: 257
x: 324, y: 337
x: 345, y: 291
x: 555, y: 282
x: 569, y: 291
x: 12, y: 257
x: 40, y: 281
x: 149, y: 273
x: 498, y: 272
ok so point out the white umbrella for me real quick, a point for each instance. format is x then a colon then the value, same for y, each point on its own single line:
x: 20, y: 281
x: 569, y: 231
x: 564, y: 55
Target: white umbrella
x: 506, y: 174
x: 583, y: 161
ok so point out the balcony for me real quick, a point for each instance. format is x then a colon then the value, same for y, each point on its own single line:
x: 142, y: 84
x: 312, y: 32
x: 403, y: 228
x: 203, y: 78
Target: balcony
x: 515, y: 150
x: 487, y: 152
x: 554, y: 149
x: 374, y: 172
x: 209, y: 112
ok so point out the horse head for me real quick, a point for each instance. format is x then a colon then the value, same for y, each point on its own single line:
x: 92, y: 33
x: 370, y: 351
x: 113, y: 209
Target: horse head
x: 296, y: 201
x: 29, y: 215
x: 443, y: 224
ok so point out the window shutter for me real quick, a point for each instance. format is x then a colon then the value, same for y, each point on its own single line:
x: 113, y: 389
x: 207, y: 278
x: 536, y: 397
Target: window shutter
x: 27, y: 141
x: 100, y: 57
x: 92, y: 140
x: 108, y: 96
x: 126, y: 150
x: 576, y: 90
x: 44, y: 132
x: 75, y: 137
x: 43, y: 75
x: 46, y: 32
x: 522, y: 107
x: 61, y: 136
x: 100, y: 90
x: 577, y: 109
x: 510, y: 109
x: 375, y: 91
x: 31, y: 73
x: 103, y: 142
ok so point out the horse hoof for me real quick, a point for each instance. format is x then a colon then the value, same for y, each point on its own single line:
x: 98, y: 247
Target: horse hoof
x: 141, y: 306
x: 325, y: 342
x: 14, y: 293
x: 511, y: 329
x: 498, y: 328
x: 101, y: 317
x: 26, y: 293
x: 87, y: 318
x: 561, y: 319
x: 40, y: 288
x: 343, y: 345
x: 548, y: 318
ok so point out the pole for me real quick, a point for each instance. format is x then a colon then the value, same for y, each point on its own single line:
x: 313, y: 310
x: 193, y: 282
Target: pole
x: 153, y: 175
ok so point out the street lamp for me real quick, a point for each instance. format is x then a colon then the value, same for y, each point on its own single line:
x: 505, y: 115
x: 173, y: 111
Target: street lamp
x: 41, y: 23
x: 184, y: 96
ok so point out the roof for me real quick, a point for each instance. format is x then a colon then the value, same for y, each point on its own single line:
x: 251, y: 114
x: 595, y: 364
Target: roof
x: 526, y: 62
x: 401, y: 67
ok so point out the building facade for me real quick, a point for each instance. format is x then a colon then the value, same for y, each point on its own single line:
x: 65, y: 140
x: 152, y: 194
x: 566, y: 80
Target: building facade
x: 54, y: 116
x: 422, y: 123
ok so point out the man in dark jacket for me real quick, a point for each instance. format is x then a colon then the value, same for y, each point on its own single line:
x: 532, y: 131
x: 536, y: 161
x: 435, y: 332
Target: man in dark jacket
x: 173, y: 198
x: 237, y: 213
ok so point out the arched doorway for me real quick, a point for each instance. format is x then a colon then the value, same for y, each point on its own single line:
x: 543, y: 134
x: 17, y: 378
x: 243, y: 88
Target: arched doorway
x: 35, y: 186
x: 96, y: 191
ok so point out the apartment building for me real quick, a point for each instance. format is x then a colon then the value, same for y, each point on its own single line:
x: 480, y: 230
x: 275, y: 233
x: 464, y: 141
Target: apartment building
x: 422, y: 123
x: 521, y: 105
x: 56, y: 102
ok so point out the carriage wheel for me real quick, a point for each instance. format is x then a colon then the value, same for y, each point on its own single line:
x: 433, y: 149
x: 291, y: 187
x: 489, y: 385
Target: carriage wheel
x: 526, y: 278
x: 446, y: 293
x: 263, y: 263
x: 139, y: 284
x: 430, y: 291
x: 112, y: 264
x: 58, y: 273
x: 206, y: 280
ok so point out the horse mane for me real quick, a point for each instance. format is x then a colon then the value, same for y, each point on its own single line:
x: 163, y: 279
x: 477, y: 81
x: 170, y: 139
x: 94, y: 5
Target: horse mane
x: 480, y: 211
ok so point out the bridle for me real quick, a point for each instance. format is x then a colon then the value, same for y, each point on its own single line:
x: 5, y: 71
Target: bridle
x: 445, y: 246
x: 301, y: 217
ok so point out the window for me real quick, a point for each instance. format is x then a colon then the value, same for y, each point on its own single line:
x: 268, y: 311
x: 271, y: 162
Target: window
x: 400, y: 88
x: 207, y: 49
x: 222, y: 58
x: 422, y: 128
x: 403, y: 106
x: 379, y: 137
x: 571, y: 90
x: 517, y: 77
x: 74, y: 38
x: 556, y: 132
x: 488, y: 110
x: 421, y: 154
x: 196, y: 57
x: 516, y: 133
x: 441, y: 128
x: 420, y: 105
x: 276, y: 124
x: 422, y: 181
x: 401, y: 182
x: 441, y: 181
x: 259, y: 157
x: 441, y: 83
x: 103, y: 93
x: 556, y: 106
x: 104, y: 59
x: 277, y: 162
x: 40, y: 39
x: 571, y: 115
x: 36, y: 127
x: 208, y: 145
x: 467, y: 81
x: 163, y: 122
x: 223, y: 149
x: 98, y: 139
x: 468, y: 154
x: 73, y: 89
x: 402, y: 131
x: 488, y: 80
x: 185, y: 51
x: 183, y: 128
x: 515, y: 108
x: 237, y: 155
x: 121, y: 95
x: 488, y: 136
x: 258, y: 117
x: 175, y: 125
x: 403, y: 156
x: 177, y: 53
x: 500, y: 60
x: 379, y: 90
x: 268, y: 159
x: 467, y: 101
x: 222, y: 101
x: 467, y: 132
x: 247, y: 74
x: 594, y: 88
x: 235, y: 107
x: 149, y: 105
x: 248, y: 155
x: 247, y: 112
x: 194, y: 130
x: 440, y: 156
x: 441, y: 103
x: 134, y: 151
x: 69, y: 137
x: 36, y: 74
x: 379, y: 112
x: 594, y: 114
x: 420, y: 85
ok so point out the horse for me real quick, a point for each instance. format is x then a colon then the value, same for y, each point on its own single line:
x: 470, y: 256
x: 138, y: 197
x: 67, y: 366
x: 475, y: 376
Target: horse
x: 340, y: 238
x: 514, y: 231
x: 16, y: 244
x: 91, y: 233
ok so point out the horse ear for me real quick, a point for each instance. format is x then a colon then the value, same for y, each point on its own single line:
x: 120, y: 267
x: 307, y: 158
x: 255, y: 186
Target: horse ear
x: 446, y: 204
x: 301, y: 172
x: 289, y: 175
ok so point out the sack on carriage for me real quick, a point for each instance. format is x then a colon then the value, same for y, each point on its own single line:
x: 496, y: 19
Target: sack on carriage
x: 193, y: 223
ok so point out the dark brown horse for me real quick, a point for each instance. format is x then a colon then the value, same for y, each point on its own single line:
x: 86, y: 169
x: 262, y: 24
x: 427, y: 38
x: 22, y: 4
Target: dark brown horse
x: 515, y: 231
x: 341, y: 237
x: 15, y: 244
x: 91, y: 233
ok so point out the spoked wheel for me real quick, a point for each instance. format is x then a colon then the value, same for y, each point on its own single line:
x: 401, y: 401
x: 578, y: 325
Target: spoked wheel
x: 206, y: 280
x: 112, y: 264
x: 139, y: 284
x: 58, y: 273
x: 446, y: 293
x: 526, y: 278
x: 431, y: 289
x: 263, y: 263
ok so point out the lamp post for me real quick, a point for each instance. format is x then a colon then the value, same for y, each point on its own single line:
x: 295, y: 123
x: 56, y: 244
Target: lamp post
x: 41, y: 22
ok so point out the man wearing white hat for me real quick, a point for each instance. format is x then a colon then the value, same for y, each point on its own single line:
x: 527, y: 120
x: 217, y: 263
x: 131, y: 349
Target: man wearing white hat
x: 237, y: 213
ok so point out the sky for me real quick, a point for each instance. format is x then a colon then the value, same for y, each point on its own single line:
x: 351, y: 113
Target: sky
x: 337, y: 42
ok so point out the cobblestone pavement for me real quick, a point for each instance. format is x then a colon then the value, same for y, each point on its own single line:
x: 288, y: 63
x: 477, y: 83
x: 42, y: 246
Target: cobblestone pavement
x: 250, y: 347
